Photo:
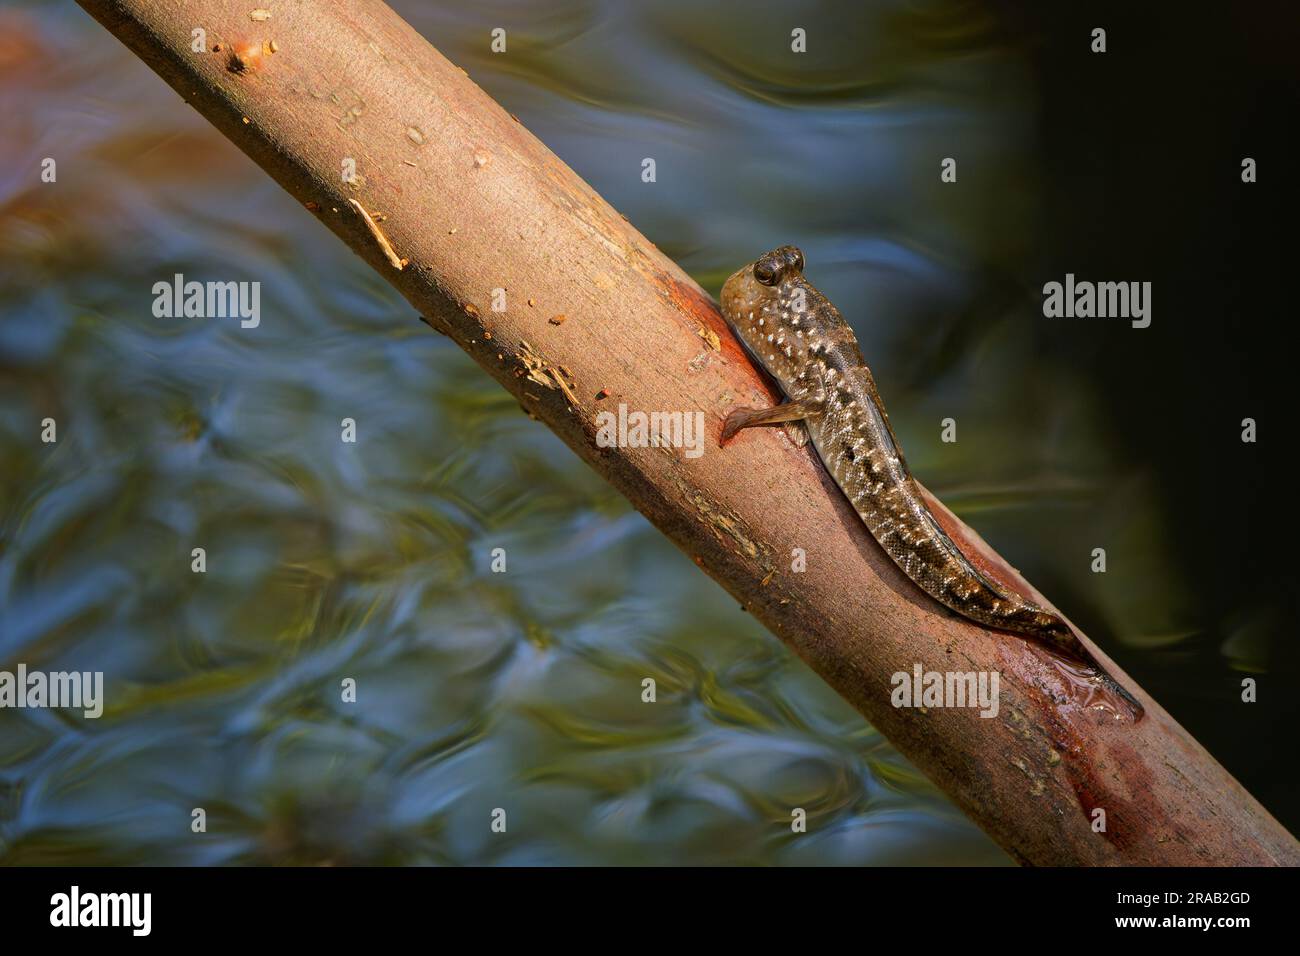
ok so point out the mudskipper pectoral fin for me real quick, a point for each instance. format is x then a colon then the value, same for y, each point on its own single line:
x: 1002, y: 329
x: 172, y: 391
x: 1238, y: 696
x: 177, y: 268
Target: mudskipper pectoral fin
x: 785, y: 412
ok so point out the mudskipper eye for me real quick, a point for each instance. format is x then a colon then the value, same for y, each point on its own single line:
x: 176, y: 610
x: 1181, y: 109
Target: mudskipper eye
x: 765, y: 273
x: 796, y: 258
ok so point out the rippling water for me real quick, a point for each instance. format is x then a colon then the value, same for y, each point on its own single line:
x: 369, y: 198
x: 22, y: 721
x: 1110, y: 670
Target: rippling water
x: 327, y: 560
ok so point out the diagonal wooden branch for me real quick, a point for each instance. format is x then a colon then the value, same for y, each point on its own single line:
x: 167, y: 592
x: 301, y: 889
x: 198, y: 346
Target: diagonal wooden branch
x: 474, y: 202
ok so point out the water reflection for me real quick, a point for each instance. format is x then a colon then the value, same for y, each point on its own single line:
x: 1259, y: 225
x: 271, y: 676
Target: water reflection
x: 369, y: 561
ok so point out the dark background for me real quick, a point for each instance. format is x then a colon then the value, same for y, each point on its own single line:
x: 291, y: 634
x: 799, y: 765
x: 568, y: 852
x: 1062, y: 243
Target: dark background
x: 1141, y: 151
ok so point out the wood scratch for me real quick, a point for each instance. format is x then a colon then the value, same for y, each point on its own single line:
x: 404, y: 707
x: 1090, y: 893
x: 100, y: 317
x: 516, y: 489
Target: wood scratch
x: 543, y: 372
x: 394, y: 259
x: 564, y: 386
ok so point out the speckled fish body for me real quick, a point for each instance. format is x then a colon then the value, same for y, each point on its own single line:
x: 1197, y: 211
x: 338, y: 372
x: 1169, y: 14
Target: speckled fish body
x: 800, y: 338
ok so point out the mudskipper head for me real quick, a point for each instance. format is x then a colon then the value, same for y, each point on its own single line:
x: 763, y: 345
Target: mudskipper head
x: 758, y: 283
x: 767, y: 304
x: 751, y: 293
x: 772, y: 268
